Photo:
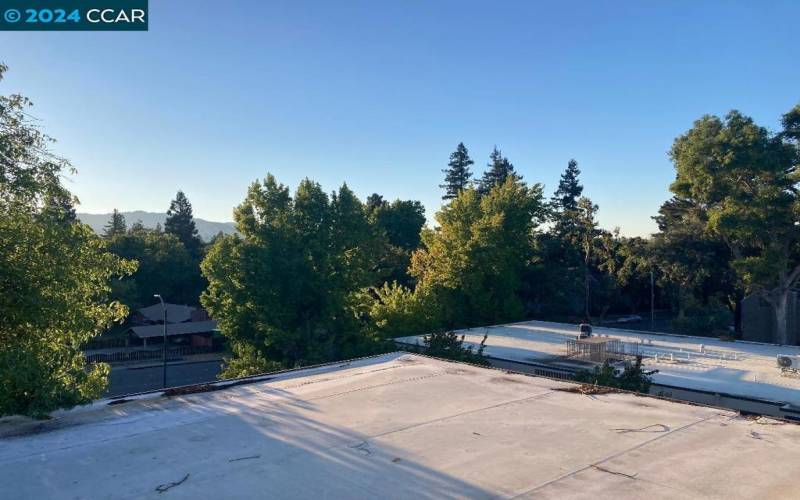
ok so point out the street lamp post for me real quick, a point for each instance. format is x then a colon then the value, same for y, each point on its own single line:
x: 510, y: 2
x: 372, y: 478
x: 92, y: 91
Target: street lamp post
x: 164, y: 346
x: 652, y: 301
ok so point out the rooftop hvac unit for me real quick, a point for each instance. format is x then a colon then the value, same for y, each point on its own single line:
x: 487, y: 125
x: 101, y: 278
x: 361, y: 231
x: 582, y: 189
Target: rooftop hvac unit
x: 619, y: 368
x: 788, y: 362
x: 584, y: 331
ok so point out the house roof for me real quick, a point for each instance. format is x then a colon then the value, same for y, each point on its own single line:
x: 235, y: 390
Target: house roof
x: 398, y: 426
x: 187, y: 328
x: 176, y: 313
x: 745, y: 369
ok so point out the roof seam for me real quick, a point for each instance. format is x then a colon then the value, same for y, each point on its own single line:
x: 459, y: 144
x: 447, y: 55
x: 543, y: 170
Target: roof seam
x: 359, y: 389
x: 613, y: 456
x: 468, y: 412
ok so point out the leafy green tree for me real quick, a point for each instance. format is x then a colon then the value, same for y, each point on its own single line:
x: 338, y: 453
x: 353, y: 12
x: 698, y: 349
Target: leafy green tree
x: 499, y: 169
x: 399, y: 225
x: 397, y: 311
x: 473, y: 262
x: 468, y: 270
x: 286, y: 289
x: 355, y: 241
x: 693, y: 265
x: 55, y: 276
x: 374, y: 201
x: 116, y: 225
x: 217, y: 236
x: 552, y: 289
x: 60, y: 206
x: 457, y: 174
x: 402, y: 221
x: 703, y: 319
x: 54, y: 284
x: 248, y: 360
x: 180, y: 222
x: 743, y: 179
x: 628, y: 262
x: 165, y: 267
x: 791, y: 126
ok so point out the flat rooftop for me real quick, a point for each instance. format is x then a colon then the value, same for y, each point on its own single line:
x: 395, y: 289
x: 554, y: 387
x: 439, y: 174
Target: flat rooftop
x: 398, y: 426
x: 743, y: 369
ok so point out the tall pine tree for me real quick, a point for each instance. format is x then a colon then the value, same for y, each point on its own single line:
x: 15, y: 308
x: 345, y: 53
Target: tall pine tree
x: 569, y: 188
x: 563, y: 249
x: 565, y: 200
x: 499, y: 170
x: 116, y: 225
x: 457, y: 173
x: 180, y: 222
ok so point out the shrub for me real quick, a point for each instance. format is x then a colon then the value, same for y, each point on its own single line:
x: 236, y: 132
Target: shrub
x: 703, y: 320
x: 632, y: 378
x: 449, y: 345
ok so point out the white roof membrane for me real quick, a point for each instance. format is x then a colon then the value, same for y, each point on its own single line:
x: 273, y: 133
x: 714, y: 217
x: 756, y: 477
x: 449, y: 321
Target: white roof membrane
x: 744, y: 369
x: 399, y: 426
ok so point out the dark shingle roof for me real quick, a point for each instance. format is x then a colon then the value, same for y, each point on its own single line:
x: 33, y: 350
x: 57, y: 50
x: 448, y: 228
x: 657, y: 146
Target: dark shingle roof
x: 174, y: 329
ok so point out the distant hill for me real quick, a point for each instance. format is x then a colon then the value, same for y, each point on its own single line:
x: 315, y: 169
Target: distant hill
x: 206, y: 228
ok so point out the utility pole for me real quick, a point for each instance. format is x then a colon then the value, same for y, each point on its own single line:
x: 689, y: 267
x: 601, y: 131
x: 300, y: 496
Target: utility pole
x: 164, y: 346
x: 586, y: 301
x: 652, y: 301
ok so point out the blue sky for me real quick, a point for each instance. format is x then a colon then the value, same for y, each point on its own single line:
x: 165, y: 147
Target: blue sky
x: 378, y: 94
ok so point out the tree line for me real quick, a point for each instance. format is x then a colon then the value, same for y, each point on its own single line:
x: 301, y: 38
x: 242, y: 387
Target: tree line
x: 312, y: 276
x: 168, y: 257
